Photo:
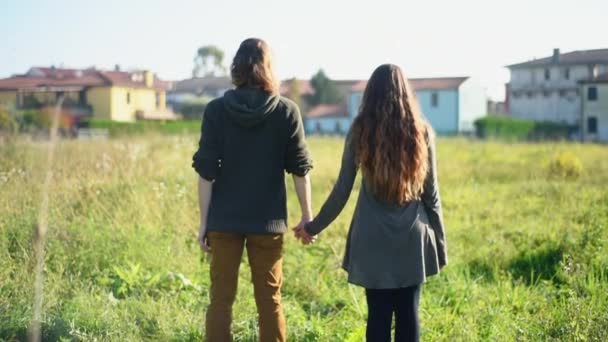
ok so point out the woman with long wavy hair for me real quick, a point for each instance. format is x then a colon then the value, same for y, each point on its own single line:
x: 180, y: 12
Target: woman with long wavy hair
x: 397, y: 237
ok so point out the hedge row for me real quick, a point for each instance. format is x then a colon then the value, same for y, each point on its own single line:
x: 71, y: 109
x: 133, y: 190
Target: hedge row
x: 141, y: 127
x: 521, y: 129
x: 192, y: 111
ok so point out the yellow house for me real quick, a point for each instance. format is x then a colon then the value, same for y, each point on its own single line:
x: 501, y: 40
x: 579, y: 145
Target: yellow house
x: 114, y: 95
x: 594, y: 109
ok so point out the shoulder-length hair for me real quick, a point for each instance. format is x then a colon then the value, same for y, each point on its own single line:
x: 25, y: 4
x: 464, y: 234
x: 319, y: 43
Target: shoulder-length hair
x: 390, y: 137
x: 252, y: 66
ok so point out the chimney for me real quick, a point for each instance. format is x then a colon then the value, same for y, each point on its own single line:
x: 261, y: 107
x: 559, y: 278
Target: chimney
x: 555, y: 58
x: 116, y: 67
x: 148, y: 78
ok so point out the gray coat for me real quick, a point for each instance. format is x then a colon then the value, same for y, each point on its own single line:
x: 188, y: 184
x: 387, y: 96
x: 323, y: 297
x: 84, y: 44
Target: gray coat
x: 388, y: 246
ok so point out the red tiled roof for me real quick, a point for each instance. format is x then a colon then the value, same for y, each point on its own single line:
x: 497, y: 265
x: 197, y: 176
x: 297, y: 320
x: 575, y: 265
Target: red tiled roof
x: 599, y: 56
x: 345, y: 85
x: 125, y: 79
x: 19, y: 82
x: 325, y: 110
x: 437, y: 83
x: 59, y: 77
x: 199, y: 85
x: 441, y: 83
x: 59, y: 73
x: 305, y: 87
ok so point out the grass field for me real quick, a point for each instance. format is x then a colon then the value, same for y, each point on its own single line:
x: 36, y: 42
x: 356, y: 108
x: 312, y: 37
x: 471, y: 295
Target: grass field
x: 526, y: 228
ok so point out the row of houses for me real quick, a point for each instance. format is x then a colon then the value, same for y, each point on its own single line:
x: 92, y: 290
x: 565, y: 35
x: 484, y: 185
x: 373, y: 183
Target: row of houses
x: 450, y: 104
x: 570, y: 88
x: 114, y: 95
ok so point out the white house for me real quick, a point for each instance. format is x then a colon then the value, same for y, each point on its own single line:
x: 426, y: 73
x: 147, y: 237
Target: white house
x: 327, y: 119
x: 197, y: 88
x: 548, y: 89
x: 594, y: 116
x: 450, y: 104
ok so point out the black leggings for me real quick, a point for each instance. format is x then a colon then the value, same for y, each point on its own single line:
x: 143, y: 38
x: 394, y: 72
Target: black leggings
x: 382, y: 303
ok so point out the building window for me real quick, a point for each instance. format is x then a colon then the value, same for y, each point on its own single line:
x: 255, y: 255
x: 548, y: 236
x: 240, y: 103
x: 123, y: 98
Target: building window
x: 128, y: 97
x: 516, y: 94
x: 547, y: 74
x: 157, y: 100
x: 546, y: 93
x: 563, y: 93
x: 530, y: 94
x: 434, y: 100
x: 318, y: 127
x: 338, y: 127
x: 592, y: 93
x: 567, y: 73
x: 592, y: 125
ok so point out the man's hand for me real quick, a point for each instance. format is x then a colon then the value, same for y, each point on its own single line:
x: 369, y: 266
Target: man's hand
x: 301, y: 234
x: 202, y: 239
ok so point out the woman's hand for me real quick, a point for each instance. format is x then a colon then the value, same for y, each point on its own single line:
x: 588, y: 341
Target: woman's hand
x: 202, y: 239
x: 301, y: 234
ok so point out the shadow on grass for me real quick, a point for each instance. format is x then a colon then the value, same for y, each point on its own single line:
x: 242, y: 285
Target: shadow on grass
x: 323, y: 309
x: 53, y: 331
x: 539, y: 263
x: 482, y: 270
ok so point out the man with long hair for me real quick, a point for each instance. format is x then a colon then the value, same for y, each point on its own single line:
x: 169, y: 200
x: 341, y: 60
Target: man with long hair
x: 249, y: 138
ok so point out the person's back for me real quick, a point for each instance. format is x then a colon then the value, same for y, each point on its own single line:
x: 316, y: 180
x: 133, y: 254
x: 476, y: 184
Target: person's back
x: 256, y: 145
x: 397, y: 237
x: 249, y: 138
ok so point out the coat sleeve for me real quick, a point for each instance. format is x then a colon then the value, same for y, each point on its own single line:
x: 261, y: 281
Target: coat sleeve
x: 297, y: 158
x: 432, y: 204
x: 340, y: 192
x: 207, y: 159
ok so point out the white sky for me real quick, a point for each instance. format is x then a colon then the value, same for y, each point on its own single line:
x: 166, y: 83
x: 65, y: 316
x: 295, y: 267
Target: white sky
x: 348, y: 39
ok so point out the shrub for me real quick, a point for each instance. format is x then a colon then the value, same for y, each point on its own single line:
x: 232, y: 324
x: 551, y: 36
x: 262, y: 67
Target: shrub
x: 34, y: 119
x: 565, y: 165
x: 192, y: 111
x: 7, y: 122
x: 504, y: 127
x: 116, y: 128
x: 552, y: 130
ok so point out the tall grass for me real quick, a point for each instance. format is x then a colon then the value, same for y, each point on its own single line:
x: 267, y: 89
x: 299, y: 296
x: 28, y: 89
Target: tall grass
x: 527, y: 246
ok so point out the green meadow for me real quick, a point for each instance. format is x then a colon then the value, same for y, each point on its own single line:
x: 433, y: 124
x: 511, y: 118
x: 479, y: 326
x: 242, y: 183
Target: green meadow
x: 527, y: 230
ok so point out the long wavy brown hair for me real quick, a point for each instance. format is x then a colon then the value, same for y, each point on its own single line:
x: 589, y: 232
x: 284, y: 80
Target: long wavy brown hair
x: 252, y: 66
x: 390, y: 137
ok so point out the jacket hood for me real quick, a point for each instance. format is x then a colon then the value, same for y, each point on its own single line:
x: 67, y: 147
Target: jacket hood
x: 249, y: 107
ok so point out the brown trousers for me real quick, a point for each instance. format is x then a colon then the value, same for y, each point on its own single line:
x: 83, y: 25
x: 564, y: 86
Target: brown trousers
x: 265, y: 259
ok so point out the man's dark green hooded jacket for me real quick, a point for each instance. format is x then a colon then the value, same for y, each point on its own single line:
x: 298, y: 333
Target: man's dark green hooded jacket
x: 249, y: 138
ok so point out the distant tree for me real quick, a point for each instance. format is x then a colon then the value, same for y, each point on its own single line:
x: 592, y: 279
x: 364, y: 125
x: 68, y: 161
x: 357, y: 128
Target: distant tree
x: 31, y: 102
x: 326, y: 91
x: 209, y: 60
x: 295, y: 91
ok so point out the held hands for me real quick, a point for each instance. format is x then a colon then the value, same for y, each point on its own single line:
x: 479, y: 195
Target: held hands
x: 301, y: 234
